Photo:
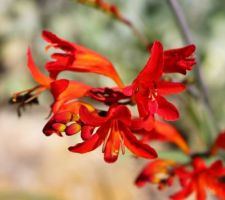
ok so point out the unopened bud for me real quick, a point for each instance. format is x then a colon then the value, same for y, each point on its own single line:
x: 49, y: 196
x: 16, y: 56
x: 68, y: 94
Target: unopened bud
x: 63, y: 117
x: 59, y: 127
x: 72, y: 129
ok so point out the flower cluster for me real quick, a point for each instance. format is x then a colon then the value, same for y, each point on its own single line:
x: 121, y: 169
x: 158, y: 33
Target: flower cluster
x: 194, y: 176
x: 114, y: 126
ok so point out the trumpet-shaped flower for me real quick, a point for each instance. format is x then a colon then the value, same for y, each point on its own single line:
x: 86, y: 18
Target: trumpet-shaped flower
x: 148, y: 89
x: 179, y: 60
x: 77, y: 58
x: 163, y: 132
x: 157, y: 172
x: 112, y: 132
x: 201, y: 179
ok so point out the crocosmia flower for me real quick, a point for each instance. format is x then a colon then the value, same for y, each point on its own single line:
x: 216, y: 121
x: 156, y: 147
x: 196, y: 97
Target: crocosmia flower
x: 219, y: 143
x: 164, y: 132
x: 200, y: 180
x: 77, y: 58
x: 112, y: 132
x: 62, y: 90
x: 158, y: 172
x: 179, y: 60
x: 148, y: 88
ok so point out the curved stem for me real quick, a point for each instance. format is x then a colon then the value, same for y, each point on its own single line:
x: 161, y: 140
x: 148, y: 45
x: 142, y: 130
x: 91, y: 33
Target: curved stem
x: 187, y: 37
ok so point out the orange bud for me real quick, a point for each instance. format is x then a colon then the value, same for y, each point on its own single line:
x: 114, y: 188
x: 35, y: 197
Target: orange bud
x: 63, y: 117
x: 72, y: 129
x: 59, y: 127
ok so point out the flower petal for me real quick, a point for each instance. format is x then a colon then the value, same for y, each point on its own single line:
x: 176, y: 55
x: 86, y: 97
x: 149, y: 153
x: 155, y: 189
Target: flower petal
x: 178, y: 60
x: 165, y: 88
x: 135, y: 146
x: 167, y: 110
x: 64, y: 90
x: 112, y: 146
x: 154, y: 66
x: 169, y: 133
x: 92, y: 143
x: 91, y: 118
x: 38, y: 76
x: 219, y: 143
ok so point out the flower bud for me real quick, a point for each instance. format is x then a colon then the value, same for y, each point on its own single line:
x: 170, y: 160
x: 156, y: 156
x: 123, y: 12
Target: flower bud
x: 59, y: 127
x: 72, y: 129
x: 63, y: 117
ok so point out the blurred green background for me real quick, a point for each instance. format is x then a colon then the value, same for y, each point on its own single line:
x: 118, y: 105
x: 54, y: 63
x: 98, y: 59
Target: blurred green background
x: 33, y: 166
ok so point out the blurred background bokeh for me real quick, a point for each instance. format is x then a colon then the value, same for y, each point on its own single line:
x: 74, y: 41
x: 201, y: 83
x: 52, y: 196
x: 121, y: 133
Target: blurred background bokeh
x: 35, y: 167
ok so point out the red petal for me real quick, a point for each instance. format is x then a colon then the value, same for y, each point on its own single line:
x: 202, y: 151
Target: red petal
x: 120, y: 113
x: 219, y: 143
x: 64, y: 90
x: 38, y: 76
x: 185, y: 192
x: 184, y: 51
x: 135, y: 146
x: 91, y: 118
x: 167, y: 110
x: 57, y: 42
x: 86, y: 132
x: 143, y: 123
x: 112, y: 146
x: 92, y: 143
x: 165, y: 88
x: 169, y: 133
x: 154, y: 67
x: 178, y: 61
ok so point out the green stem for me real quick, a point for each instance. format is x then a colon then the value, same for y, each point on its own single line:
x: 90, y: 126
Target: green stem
x: 187, y: 37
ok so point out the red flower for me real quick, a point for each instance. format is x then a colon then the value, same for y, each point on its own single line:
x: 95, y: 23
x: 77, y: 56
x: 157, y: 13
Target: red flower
x: 62, y: 90
x: 163, y: 132
x: 157, y: 172
x: 179, y: 60
x: 219, y: 143
x: 148, y: 90
x: 77, y: 58
x: 113, y: 132
x: 201, y: 179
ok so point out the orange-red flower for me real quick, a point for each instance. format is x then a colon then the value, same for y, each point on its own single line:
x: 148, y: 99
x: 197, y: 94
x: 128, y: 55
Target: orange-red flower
x: 77, y: 58
x: 163, y: 132
x: 113, y: 132
x: 157, y: 172
x: 179, y: 60
x: 201, y: 179
x: 62, y: 90
x: 148, y: 89
x: 219, y: 143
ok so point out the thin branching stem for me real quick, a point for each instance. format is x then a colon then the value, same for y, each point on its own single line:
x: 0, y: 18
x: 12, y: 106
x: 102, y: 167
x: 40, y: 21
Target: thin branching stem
x: 187, y: 37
